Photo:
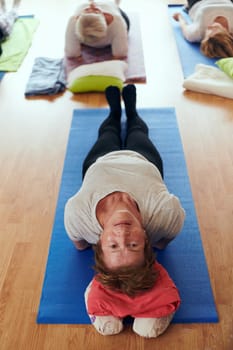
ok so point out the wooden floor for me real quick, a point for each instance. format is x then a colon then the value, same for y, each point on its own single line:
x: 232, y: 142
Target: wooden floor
x: 33, y: 137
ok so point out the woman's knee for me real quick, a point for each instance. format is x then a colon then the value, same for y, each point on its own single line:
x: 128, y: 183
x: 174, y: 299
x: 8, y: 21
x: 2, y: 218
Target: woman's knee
x: 151, y: 327
x: 107, y: 325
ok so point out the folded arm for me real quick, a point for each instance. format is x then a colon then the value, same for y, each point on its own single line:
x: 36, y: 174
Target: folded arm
x: 183, y: 24
x: 168, y: 222
x: 72, y: 44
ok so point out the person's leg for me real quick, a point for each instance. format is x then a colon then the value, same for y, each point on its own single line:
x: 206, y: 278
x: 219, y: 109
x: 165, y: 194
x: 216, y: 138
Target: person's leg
x: 137, y: 138
x: 190, y: 4
x: 151, y: 327
x: 105, y: 325
x: 109, y: 136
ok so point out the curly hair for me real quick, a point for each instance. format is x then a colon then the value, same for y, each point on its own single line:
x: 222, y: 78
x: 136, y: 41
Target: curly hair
x: 127, y: 280
x: 219, y: 45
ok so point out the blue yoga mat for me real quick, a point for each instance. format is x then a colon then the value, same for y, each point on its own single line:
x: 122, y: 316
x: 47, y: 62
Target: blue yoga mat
x: 69, y: 271
x: 189, y: 53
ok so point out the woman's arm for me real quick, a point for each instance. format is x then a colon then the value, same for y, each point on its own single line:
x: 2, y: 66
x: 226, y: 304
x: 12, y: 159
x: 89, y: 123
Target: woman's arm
x: 183, y: 24
x: 168, y: 222
x: 72, y: 44
x: 119, y: 39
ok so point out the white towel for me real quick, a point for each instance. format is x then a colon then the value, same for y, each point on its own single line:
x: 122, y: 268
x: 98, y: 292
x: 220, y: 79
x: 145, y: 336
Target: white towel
x: 209, y: 80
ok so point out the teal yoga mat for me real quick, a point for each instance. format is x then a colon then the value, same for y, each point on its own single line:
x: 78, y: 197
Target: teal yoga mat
x: 69, y: 271
x: 189, y: 53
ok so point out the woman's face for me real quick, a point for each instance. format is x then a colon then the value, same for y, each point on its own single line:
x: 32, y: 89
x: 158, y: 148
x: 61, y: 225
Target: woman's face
x: 123, y: 240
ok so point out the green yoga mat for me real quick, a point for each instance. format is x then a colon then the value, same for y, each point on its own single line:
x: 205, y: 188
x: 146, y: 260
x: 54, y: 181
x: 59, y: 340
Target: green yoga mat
x: 16, y: 47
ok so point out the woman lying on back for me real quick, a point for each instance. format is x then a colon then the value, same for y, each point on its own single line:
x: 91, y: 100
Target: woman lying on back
x: 212, y: 26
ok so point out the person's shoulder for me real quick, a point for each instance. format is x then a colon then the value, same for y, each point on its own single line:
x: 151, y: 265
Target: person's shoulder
x: 216, y: 6
x: 118, y: 20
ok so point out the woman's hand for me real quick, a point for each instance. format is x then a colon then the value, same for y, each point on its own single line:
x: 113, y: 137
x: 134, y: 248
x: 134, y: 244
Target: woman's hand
x: 177, y: 16
x: 182, y: 22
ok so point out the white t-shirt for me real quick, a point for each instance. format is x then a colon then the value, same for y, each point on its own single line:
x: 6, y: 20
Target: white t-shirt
x: 124, y: 171
x: 116, y: 36
x: 203, y: 13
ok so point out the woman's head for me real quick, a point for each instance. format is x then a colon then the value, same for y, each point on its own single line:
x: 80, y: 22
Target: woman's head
x: 91, y: 26
x: 218, y: 42
x: 123, y: 239
x: 129, y: 280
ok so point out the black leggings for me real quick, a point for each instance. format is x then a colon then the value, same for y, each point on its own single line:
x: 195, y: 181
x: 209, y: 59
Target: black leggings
x: 191, y: 3
x: 137, y: 139
x: 126, y: 18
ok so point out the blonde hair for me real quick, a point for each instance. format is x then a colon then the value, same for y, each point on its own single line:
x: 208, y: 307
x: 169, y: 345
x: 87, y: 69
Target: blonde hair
x: 219, y: 45
x: 90, y: 27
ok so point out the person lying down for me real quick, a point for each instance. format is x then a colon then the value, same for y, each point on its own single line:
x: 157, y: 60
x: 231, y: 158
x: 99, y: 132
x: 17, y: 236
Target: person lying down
x: 7, y: 20
x: 98, y: 25
x: 124, y: 209
x: 211, y: 25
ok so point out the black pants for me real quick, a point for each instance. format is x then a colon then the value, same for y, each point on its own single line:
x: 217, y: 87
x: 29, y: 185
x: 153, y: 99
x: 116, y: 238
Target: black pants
x: 109, y: 139
x: 126, y: 18
x: 193, y: 2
